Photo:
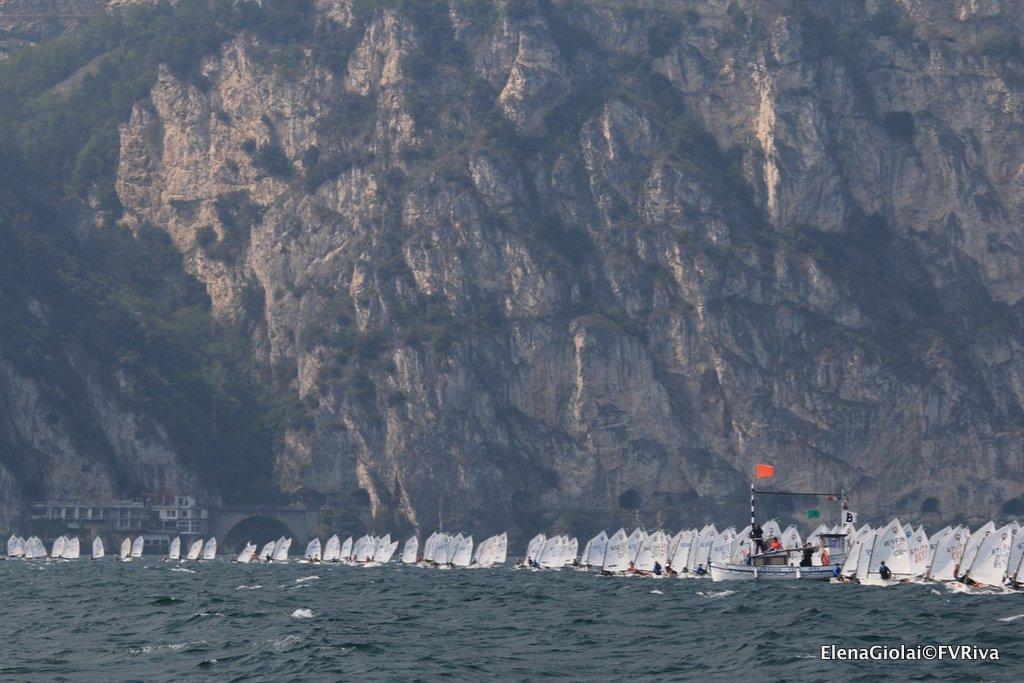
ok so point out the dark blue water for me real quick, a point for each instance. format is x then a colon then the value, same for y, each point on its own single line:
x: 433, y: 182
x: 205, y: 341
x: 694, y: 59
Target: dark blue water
x: 90, y: 620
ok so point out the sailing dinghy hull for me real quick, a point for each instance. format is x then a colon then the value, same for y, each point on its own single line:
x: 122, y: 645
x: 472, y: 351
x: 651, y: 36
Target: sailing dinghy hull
x: 728, y: 571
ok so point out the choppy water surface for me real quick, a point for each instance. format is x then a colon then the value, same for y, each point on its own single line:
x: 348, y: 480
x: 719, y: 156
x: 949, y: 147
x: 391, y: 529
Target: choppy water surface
x: 89, y: 620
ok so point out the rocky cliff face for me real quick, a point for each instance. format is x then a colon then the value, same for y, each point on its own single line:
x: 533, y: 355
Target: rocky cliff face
x: 577, y: 262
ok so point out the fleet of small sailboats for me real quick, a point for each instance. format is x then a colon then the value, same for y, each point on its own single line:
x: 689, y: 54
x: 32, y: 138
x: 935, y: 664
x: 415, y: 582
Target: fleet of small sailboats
x: 990, y: 556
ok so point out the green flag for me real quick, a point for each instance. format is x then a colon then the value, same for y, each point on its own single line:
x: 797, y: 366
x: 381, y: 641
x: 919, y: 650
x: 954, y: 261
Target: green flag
x: 813, y: 514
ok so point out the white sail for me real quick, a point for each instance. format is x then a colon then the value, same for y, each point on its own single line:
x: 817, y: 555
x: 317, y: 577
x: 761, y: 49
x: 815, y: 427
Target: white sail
x: 384, y: 551
x: 332, y: 549
x: 636, y: 540
x: 849, y: 568
x: 195, y: 550
x: 57, y: 551
x: 137, y: 546
x: 586, y: 552
x: 15, y: 547
x: 281, y: 550
x: 267, y: 551
x: 463, y: 553
x: 891, y: 548
x: 933, y: 545
x: 72, y: 549
x: 1016, y: 549
x: 741, y: 546
x: 617, y: 558
x: 948, y: 554
x: 682, y: 553
x: 791, y: 539
x: 721, y: 546
x: 409, y: 550
x: 210, y: 549
x: 551, y: 556
x: 441, y: 548
x: 535, y: 547
x: 346, y: 549
x: 917, y: 546
x: 569, y: 550
x: 660, y: 549
x: 453, y: 546
x: 359, y: 548
x: 246, y: 555
x: 313, y: 550
x: 644, y: 560
x: 97, y: 548
x: 499, y: 553
x: 126, y: 548
x: 598, y: 547
x: 973, y: 544
x: 707, y: 539
x: 990, y: 563
x: 174, y: 549
x: 867, y: 551
x: 428, y: 547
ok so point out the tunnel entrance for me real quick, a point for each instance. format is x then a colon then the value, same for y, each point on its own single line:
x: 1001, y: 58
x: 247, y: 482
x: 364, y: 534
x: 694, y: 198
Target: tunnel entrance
x: 258, y: 529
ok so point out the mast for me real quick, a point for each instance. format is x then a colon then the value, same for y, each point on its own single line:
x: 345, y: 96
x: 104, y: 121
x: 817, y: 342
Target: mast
x: 752, y: 519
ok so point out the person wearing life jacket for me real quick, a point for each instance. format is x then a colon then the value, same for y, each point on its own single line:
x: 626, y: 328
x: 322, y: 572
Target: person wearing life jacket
x: 657, y: 568
x: 884, y: 571
x: 700, y: 571
x: 775, y: 543
x: 670, y: 571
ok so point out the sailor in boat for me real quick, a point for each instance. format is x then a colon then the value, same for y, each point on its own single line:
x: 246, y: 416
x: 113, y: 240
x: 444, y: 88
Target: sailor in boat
x: 884, y: 572
x: 808, y: 555
x: 775, y: 543
x: 757, y: 535
x: 700, y: 570
x: 657, y: 568
x: 670, y: 571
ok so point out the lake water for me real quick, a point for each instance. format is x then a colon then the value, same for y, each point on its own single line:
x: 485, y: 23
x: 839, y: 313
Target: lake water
x: 94, y: 620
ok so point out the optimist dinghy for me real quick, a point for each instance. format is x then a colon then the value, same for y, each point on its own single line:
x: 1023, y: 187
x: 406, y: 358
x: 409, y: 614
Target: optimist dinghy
x: 97, y: 548
x: 194, y: 550
x: 332, y: 549
x: 174, y: 550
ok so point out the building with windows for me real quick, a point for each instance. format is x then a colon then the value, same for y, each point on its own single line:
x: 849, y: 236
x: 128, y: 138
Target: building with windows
x: 159, y: 522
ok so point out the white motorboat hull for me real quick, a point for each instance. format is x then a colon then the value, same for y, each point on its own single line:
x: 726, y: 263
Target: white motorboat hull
x: 728, y: 571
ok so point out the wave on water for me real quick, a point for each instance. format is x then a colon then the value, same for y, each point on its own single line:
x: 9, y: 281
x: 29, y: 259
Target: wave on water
x: 1015, y: 617
x: 173, y: 647
x: 715, y: 594
x: 285, y: 644
x: 303, y: 579
x: 248, y: 587
x: 656, y: 592
x: 183, y: 570
x: 303, y: 613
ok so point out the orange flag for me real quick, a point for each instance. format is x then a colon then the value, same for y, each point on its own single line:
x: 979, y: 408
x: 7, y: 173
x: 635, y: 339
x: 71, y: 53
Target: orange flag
x: 764, y: 471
